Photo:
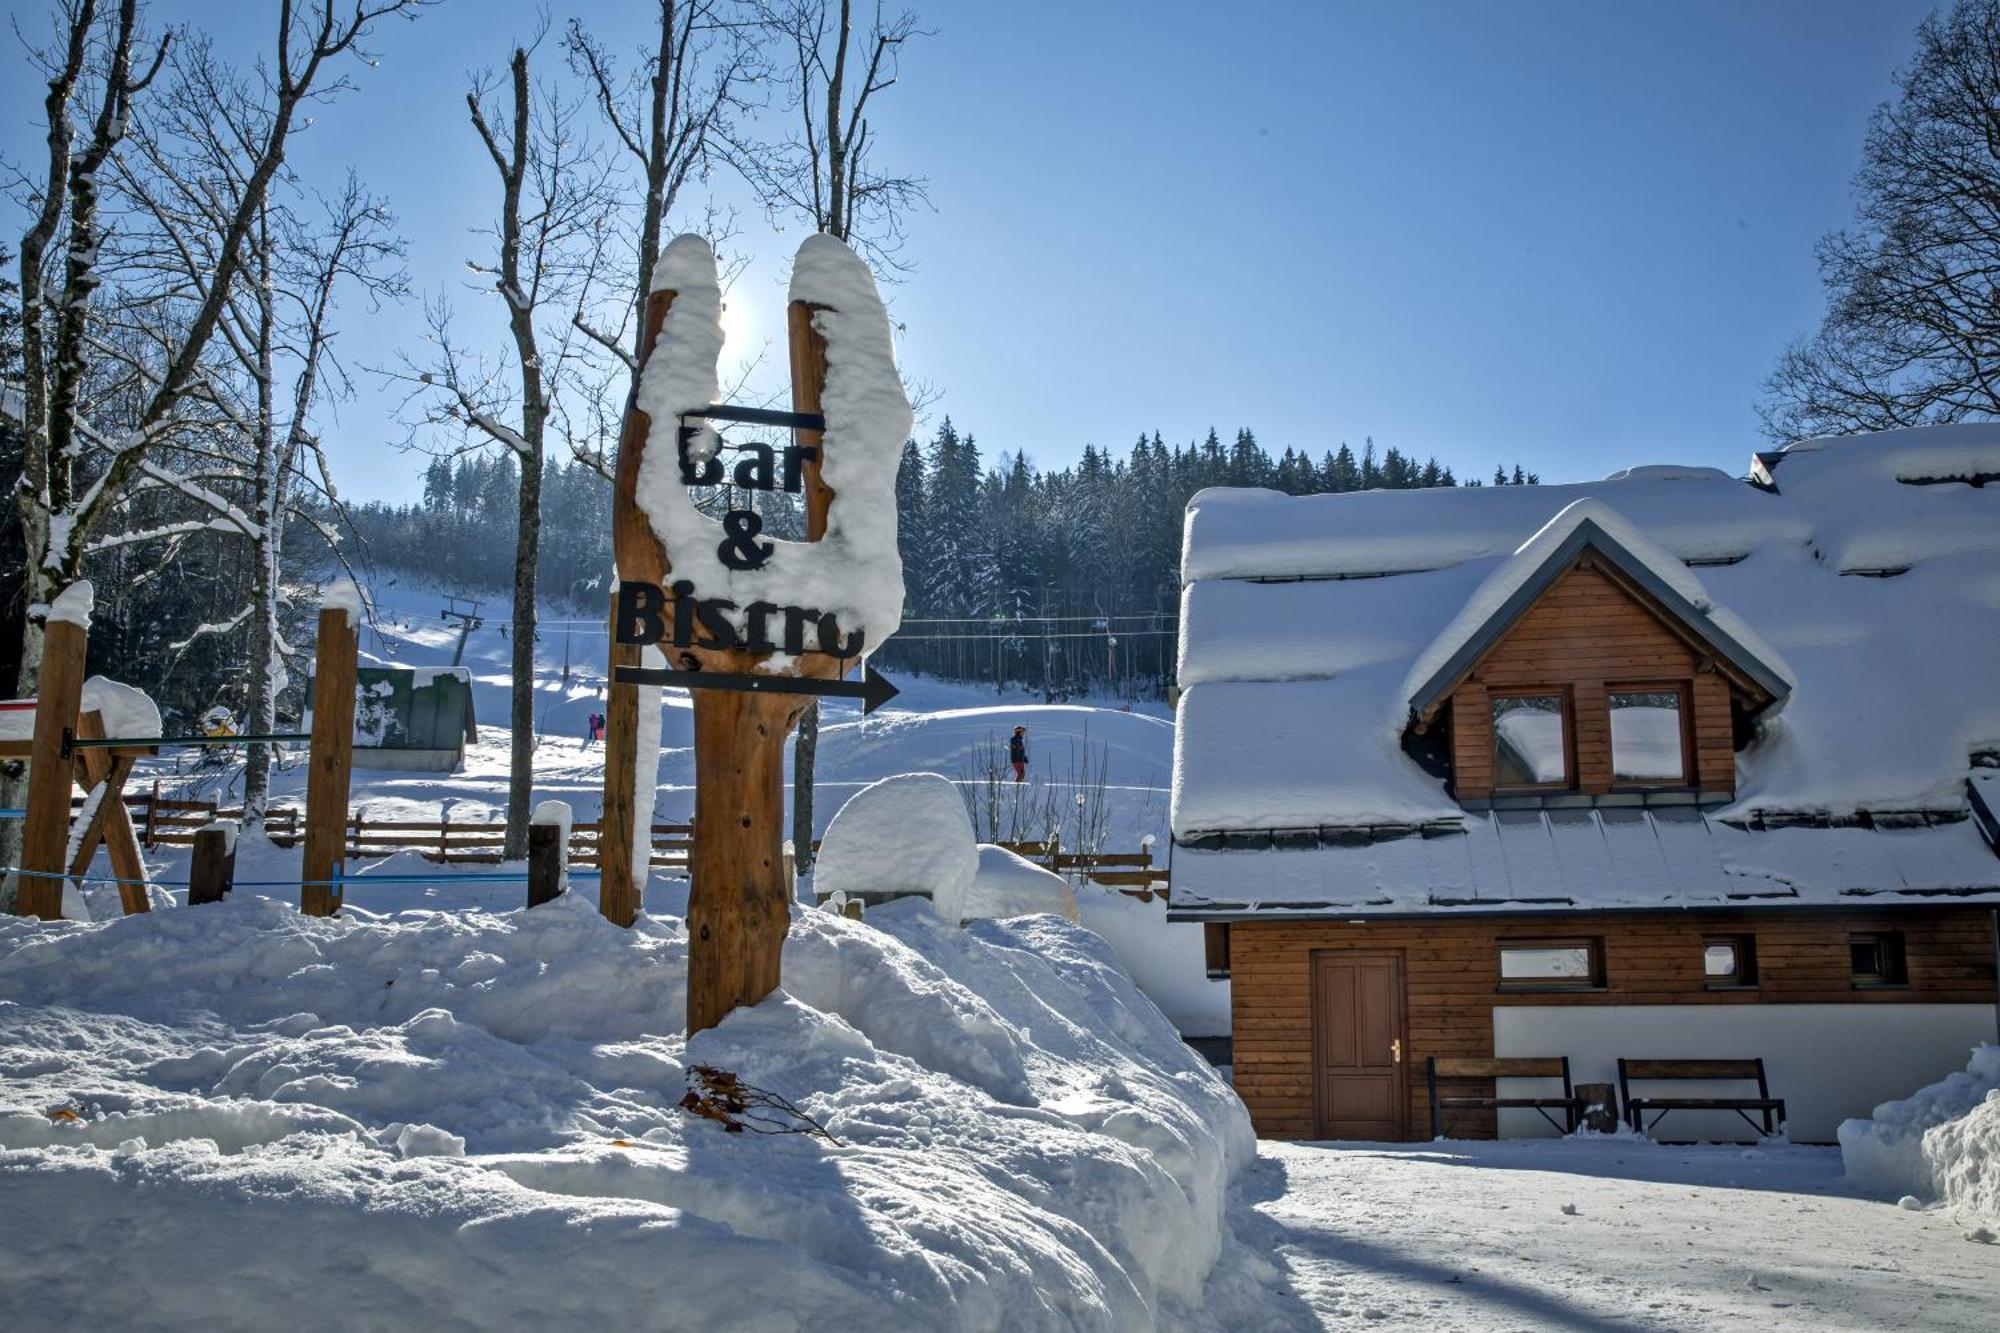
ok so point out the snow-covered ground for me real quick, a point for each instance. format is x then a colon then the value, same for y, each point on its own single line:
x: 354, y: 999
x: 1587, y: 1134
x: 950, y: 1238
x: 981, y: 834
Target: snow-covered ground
x: 1600, y: 1236
x: 236, y: 1116
x: 932, y: 726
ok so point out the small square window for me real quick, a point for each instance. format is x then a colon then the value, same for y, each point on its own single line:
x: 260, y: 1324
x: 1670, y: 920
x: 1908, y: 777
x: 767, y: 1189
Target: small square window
x: 1648, y: 738
x: 1576, y: 964
x: 1876, y: 959
x: 1530, y: 740
x: 1729, y: 960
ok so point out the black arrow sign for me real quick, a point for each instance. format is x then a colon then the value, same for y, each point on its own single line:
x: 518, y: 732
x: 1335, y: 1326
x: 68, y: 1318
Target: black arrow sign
x: 873, y: 689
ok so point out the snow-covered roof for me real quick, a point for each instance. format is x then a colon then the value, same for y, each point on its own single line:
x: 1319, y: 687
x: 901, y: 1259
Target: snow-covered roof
x: 1862, y: 576
x: 1526, y: 574
x: 1596, y: 859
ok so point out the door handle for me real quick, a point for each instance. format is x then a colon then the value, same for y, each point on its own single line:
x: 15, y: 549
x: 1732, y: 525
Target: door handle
x: 1396, y: 1050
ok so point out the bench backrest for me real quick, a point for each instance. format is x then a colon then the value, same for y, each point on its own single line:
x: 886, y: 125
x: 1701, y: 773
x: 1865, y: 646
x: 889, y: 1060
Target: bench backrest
x: 1554, y: 1066
x: 1646, y: 1070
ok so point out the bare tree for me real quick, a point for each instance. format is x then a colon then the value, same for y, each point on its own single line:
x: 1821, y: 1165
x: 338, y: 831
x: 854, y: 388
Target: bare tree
x: 80, y: 467
x: 675, y: 114
x: 554, y: 204
x: 1912, y: 329
x: 825, y: 172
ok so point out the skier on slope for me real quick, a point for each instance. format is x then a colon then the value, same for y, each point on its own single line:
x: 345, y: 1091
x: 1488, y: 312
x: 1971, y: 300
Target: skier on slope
x: 1017, y: 753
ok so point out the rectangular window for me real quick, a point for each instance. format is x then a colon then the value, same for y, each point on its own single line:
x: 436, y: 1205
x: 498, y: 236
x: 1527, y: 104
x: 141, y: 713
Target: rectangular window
x: 1531, y: 740
x: 1729, y: 960
x: 1876, y: 959
x: 1552, y: 964
x: 1215, y: 941
x: 1648, y: 735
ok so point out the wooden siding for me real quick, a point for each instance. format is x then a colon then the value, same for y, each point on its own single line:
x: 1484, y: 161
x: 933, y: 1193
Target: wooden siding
x: 1453, y: 974
x: 1588, y: 633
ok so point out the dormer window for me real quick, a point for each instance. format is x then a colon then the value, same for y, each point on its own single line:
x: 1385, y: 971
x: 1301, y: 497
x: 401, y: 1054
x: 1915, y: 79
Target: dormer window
x: 1649, y: 735
x: 1531, y: 740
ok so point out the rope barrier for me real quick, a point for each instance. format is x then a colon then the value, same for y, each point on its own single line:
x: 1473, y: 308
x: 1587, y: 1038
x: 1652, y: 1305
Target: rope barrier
x: 336, y: 882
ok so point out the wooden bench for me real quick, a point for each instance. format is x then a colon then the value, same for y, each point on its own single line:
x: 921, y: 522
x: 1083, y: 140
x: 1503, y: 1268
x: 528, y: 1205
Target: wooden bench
x: 1772, y: 1109
x: 1555, y: 1066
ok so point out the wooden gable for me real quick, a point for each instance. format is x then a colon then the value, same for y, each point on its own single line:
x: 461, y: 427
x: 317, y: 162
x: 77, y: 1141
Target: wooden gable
x: 1593, y: 630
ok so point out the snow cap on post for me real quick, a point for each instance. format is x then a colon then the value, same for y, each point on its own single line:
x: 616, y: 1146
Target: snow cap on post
x: 908, y: 834
x: 343, y: 595
x: 853, y: 572
x: 74, y: 604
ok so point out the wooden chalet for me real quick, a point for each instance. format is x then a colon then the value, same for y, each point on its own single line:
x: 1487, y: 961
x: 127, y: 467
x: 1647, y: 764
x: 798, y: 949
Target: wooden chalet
x: 1673, y: 766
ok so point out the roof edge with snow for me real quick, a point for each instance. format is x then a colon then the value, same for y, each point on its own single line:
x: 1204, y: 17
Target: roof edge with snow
x: 1587, y: 533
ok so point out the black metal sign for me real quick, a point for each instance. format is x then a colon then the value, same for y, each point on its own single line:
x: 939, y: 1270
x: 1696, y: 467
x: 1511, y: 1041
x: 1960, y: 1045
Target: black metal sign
x: 873, y: 689
x: 646, y: 615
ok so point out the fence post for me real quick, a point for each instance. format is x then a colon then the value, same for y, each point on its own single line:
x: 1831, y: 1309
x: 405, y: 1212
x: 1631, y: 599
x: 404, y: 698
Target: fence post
x: 212, y: 868
x: 548, y: 852
x: 330, y: 759
x: 58, y: 700
x: 152, y: 817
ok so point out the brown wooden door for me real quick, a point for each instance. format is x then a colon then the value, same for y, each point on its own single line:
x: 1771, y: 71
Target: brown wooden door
x: 1360, y: 1070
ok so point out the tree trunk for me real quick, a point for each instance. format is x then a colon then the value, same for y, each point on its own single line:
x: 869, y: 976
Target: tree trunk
x: 805, y: 755
x: 521, y: 756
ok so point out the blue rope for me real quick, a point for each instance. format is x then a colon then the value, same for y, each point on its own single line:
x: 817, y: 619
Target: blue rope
x: 13, y: 814
x: 338, y: 882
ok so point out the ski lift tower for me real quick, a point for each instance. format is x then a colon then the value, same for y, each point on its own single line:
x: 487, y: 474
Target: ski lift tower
x: 468, y: 618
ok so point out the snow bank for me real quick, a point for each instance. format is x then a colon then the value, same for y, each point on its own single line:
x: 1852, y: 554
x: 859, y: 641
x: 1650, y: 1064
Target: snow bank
x: 907, y: 834
x: 472, y: 1118
x: 1940, y: 1144
x: 1009, y: 884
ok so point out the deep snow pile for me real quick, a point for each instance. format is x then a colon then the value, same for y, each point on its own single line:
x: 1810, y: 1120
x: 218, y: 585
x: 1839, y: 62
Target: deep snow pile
x: 1939, y: 1144
x: 471, y: 1118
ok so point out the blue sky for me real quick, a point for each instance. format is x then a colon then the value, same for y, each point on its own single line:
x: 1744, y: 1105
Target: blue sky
x: 1572, y: 234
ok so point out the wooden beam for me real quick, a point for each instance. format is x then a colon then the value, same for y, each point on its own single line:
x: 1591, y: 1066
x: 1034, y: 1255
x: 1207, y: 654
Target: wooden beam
x: 111, y: 822
x: 45, y: 837
x: 329, y: 763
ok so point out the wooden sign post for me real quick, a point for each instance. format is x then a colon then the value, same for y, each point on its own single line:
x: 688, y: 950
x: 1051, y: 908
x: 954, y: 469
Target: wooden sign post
x: 330, y: 760
x: 58, y: 700
x: 740, y: 895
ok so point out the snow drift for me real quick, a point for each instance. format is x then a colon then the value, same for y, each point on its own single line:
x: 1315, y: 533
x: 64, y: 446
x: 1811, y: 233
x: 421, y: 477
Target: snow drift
x: 472, y: 1119
x: 1940, y: 1144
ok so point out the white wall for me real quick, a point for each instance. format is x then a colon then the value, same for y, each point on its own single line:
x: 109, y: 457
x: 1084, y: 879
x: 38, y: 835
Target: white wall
x: 1828, y: 1061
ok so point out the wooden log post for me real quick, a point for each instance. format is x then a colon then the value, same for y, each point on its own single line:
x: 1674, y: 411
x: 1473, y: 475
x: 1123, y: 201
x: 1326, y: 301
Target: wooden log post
x: 58, y: 699
x: 628, y: 802
x: 330, y: 761
x: 739, y: 892
x: 212, y: 868
x: 548, y: 852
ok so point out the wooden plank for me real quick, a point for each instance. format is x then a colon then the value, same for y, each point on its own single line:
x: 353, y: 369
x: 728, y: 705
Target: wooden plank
x: 45, y: 835
x: 1507, y: 1067
x: 329, y: 762
x: 1691, y: 1069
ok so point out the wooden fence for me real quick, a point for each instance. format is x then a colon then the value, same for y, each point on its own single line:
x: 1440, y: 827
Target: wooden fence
x: 167, y: 821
